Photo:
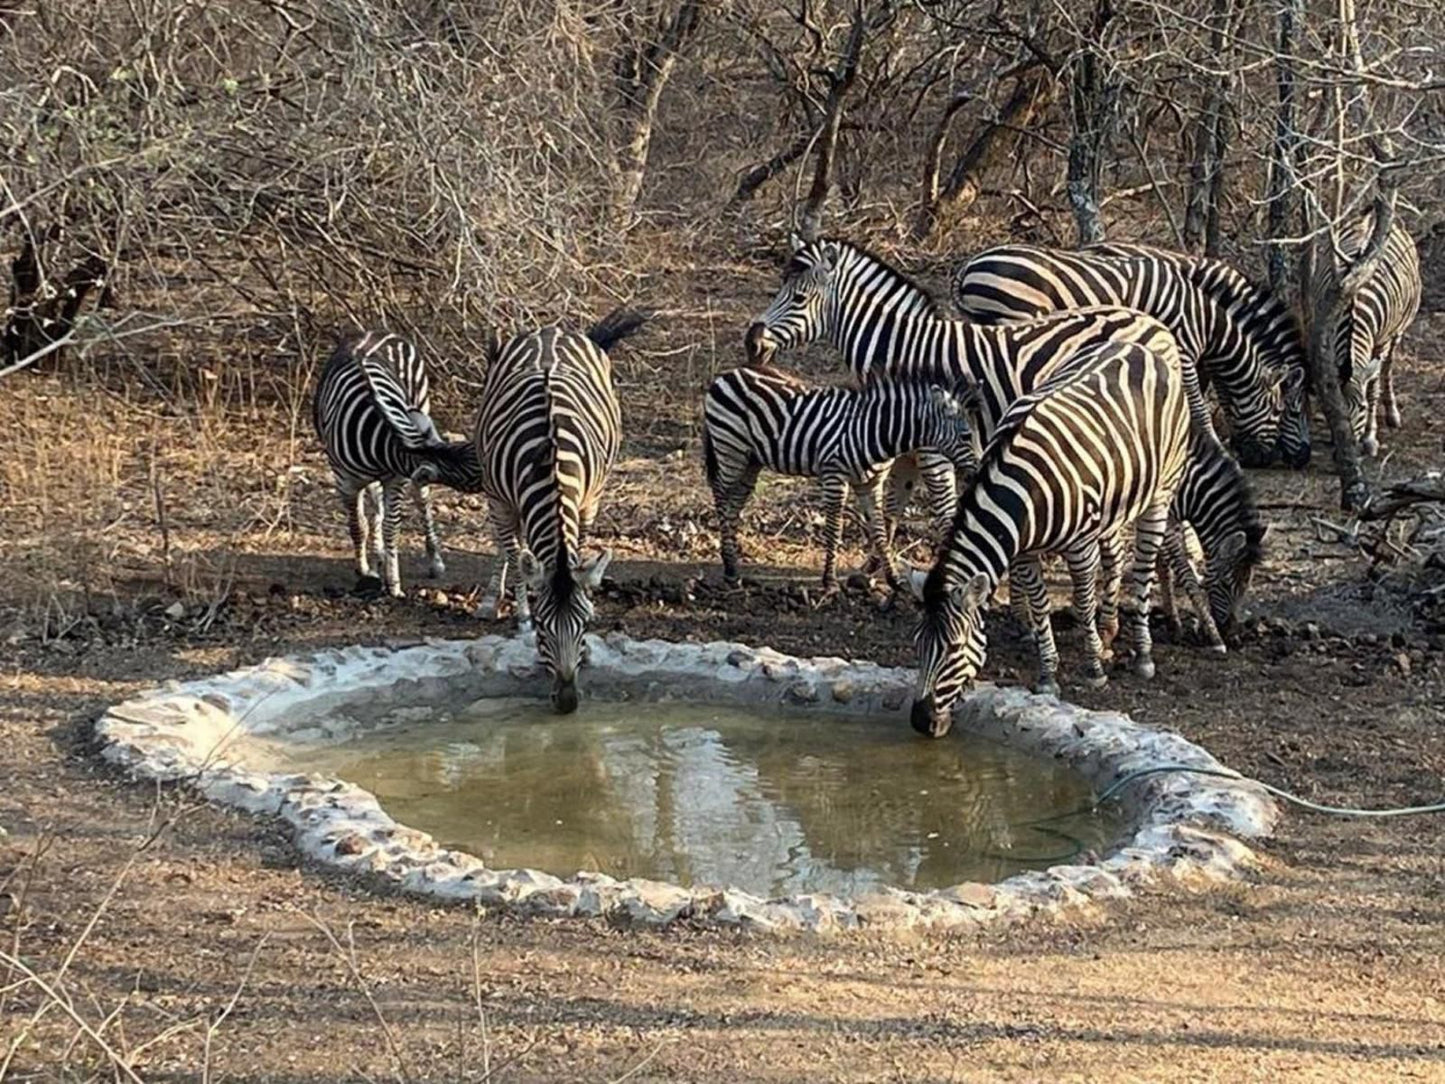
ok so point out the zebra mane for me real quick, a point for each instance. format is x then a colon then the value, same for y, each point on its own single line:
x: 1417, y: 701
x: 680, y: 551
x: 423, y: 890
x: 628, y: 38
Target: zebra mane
x: 925, y: 297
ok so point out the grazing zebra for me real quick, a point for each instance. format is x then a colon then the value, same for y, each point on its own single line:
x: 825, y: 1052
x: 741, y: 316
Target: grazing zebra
x: 758, y: 417
x: 547, y: 434
x: 886, y: 325
x: 1363, y: 342
x: 372, y: 414
x: 1243, y: 339
x: 1216, y: 499
x: 1103, y: 443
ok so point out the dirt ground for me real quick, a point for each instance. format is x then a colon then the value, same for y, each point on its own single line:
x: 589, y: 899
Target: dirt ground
x: 147, y: 541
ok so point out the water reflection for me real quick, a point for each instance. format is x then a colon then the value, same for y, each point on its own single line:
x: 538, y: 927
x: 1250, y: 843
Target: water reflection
x: 774, y: 803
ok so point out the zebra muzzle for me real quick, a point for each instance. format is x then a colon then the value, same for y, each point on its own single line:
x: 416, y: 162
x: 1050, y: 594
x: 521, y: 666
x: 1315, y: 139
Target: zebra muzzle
x: 928, y: 720
x: 757, y: 344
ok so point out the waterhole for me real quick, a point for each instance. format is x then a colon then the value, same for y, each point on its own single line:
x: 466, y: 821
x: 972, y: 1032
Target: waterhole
x: 771, y: 801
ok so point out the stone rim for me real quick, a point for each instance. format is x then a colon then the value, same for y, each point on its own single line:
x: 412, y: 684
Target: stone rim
x: 1181, y: 828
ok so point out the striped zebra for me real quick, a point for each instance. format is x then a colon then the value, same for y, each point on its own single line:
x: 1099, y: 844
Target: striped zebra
x: 1102, y: 444
x: 759, y: 417
x: 1216, y: 499
x: 547, y: 435
x: 886, y: 325
x: 1244, y: 340
x: 1364, y: 340
x: 372, y: 412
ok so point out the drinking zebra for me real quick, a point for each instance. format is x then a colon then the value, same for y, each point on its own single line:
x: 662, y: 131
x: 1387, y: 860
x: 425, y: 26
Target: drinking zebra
x: 1364, y: 340
x: 372, y: 412
x: 547, y: 435
x: 886, y: 325
x: 1242, y: 339
x: 1101, y: 444
x: 759, y: 417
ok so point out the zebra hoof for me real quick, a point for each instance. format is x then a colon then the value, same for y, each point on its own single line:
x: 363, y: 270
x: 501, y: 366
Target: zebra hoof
x: 487, y: 611
x: 1047, y: 688
x: 1393, y: 419
x: 524, y: 626
x: 396, y: 591
x: 1218, y: 648
x: 1096, y: 681
x: 437, y: 568
x: 1144, y: 667
x: 1370, y: 446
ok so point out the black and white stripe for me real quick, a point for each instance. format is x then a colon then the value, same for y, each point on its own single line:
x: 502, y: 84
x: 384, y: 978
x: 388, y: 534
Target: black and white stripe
x: 759, y: 418
x: 1364, y: 340
x: 1243, y: 339
x: 1101, y: 444
x: 547, y: 434
x: 372, y: 412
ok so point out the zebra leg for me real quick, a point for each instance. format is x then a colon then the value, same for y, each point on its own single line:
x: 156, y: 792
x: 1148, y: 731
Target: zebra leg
x: 376, y: 536
x: 870, y: 498
x: 1029, y: 592
x: 504, y: 532
x: 1387, y: 377
x: 1083, y: 561
x: 1199, y: 413
x: 835, y: 494
x: 1173, y: 564
x: 1149, y: 533
x: 730, y: 496
x: 421, y: 495
x: 353, y: 499
x: 897, y: 486
x: 1371, y: 444
x: 390, y: 528
x: 1111, y: 574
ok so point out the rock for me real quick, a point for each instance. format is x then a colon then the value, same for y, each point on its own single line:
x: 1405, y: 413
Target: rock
x: 1402, y: 663
x: 1310, y: 630
x: 176, y: 610
x: 348, y: 845
x: 655, y: 902
x: 971, y: 894
x: 802, y: 692
x: 842, y: 690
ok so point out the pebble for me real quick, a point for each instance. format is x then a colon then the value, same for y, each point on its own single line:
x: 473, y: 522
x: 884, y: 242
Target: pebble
x: 1402, y: 663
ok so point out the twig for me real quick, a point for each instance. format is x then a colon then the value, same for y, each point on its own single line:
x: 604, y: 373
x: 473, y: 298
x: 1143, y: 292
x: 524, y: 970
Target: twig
x: 350, y: 960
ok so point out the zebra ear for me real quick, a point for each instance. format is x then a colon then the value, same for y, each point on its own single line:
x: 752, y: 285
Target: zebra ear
x: 529, y: 568
x: 1230, y: 548
x: 916, y: 579
x: 946, y: 401
x: 591, y: 571
x: 795, y: 242
x: 425, y: 474
x: 1293, y: 380
x: 973, y: 594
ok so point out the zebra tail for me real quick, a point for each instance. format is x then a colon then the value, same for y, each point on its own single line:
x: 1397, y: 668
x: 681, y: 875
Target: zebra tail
x: 617, y: 325
x: 709, y: 457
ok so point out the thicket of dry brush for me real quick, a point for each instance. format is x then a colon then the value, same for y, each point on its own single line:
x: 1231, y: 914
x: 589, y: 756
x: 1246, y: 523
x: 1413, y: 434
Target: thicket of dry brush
x: 190, y: 182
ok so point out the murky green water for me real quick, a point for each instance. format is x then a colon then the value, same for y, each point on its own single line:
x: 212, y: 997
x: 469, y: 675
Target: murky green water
x: 773, y: 803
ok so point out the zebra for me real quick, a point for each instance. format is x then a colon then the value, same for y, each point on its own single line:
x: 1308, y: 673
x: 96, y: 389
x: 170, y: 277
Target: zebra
x: 886, y: 325
x: 547, y: 434
x: 372, y: 414
x: 1104, y: 442
x: 757, y: 417
x: 1364, y: 339
x: 1243, y: 339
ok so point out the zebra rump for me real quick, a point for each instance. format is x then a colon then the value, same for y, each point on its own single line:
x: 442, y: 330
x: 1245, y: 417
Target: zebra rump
x: 1243, y: 339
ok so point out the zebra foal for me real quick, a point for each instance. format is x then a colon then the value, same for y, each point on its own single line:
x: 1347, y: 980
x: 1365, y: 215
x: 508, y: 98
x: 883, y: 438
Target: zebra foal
x: 547, y: 435
x: 1362, y: 342
x: 1101, y: 444
x: 759, y: 417
x: 372, y: 414
x: 1242, y: 339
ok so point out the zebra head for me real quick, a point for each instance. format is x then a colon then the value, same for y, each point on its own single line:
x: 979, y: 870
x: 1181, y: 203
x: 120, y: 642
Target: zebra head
x: 562, y: 608
x: 799, y: 312
x: 948, y: 427
x: 1229, y: 566
x: 1293, y: 445
x: 950, y: 642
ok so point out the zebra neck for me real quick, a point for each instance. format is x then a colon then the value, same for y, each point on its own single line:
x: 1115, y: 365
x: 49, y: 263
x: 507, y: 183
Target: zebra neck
x: 983, y: 540
x: 885, y: 326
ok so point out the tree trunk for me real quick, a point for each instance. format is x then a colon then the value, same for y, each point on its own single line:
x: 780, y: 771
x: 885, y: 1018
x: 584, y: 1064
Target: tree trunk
x: 642, y: 74
x: 1092, y: 99
x: 840, y: 83
x: 1283, y: 176
x: 764, y: 172
x: 1032, y: 93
